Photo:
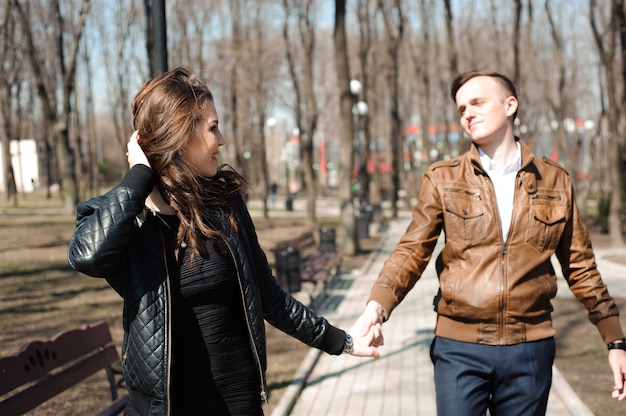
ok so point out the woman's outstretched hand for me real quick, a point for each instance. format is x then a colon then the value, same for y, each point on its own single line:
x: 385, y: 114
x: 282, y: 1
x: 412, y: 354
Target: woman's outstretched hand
x: 362, y: 347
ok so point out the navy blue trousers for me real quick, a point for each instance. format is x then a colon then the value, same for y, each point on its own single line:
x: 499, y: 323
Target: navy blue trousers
x: 508, y: 380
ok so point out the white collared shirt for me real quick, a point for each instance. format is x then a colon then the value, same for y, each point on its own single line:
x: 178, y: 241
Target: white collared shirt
x: 503, y: 179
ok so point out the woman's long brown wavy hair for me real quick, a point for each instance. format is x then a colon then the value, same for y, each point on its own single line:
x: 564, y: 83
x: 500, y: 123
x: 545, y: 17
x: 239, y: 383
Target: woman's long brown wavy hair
x: 167, y: 112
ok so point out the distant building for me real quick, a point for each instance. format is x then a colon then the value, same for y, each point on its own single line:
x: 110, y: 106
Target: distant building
x: 25, y: 165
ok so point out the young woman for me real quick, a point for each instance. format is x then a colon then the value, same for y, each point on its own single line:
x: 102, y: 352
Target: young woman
x: 175, y: 240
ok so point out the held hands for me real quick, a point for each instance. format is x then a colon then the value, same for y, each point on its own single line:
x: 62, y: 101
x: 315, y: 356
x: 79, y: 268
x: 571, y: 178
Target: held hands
x: 367, y: 331
x: 362, y: 346
x: 617, y: 362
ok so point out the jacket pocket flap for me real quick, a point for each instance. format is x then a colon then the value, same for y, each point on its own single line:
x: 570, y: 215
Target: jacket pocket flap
x: 464, y: 209
x: 548, y: 214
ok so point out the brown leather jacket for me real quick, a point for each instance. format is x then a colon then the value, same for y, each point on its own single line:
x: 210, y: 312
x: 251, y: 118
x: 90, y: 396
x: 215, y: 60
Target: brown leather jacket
x: 495, y: 292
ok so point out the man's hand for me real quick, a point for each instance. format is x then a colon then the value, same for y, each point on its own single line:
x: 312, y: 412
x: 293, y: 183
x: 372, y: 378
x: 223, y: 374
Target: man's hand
x: 368, y: 327
x: 617, y: 362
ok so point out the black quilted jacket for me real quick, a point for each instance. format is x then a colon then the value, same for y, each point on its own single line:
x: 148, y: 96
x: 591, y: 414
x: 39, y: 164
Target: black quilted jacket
x: 118, y: 239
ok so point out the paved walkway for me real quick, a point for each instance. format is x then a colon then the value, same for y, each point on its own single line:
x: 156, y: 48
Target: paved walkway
x: 401, y: 381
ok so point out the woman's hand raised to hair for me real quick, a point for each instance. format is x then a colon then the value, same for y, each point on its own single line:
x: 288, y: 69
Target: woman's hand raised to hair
x: 135, y: 154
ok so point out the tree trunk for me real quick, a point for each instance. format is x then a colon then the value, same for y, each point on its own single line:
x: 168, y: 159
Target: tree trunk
x: 237, y: 139
x: 607, y: 58
x: 9, y: 178
x: 311, y: 115
x: 305, y: 108
x: 393, y: 82
x: 516, y: 41
x: 371, y: 193
x: 58, y: 123
x: 453, y: 61
x: 6, y: 103
x: 346, y: 156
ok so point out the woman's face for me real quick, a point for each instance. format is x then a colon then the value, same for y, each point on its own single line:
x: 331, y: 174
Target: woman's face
x: 203, y: 149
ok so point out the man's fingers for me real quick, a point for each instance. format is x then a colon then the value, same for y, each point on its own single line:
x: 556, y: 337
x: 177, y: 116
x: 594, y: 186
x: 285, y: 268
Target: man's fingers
x: 618, y: 393
x: 375, y: 336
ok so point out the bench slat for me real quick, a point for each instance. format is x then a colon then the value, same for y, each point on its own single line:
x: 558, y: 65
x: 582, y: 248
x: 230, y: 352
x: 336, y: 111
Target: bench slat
x: 41, y: 370
x: 38, y: 358
x: 56, y: 383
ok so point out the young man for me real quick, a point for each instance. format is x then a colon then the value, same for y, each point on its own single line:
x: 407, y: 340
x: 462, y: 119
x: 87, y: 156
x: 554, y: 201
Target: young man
x: 504, y: 212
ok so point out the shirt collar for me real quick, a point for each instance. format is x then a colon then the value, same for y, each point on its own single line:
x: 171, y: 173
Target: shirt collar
x: 490, y: 166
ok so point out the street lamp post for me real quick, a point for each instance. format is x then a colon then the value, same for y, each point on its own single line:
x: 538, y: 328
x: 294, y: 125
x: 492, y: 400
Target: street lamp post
x: 292, y: 160
x: 360, y: 109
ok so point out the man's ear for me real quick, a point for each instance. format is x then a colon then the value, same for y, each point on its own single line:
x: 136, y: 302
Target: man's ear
x: 510, y: 104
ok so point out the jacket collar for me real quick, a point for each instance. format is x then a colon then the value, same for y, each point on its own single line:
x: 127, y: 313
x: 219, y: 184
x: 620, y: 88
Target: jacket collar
x: 529, y: 181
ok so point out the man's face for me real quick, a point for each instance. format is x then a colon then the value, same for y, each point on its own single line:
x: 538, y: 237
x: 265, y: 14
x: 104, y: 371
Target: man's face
x: 485, y: 109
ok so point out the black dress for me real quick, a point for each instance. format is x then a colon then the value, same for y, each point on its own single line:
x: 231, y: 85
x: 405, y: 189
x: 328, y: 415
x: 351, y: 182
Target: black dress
x: 213, y: 369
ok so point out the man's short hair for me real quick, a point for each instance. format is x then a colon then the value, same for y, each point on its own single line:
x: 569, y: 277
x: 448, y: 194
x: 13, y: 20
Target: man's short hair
x: 503, y: 80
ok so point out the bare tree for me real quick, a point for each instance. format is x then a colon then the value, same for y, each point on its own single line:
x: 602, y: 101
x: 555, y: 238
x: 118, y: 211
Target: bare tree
x: 517, y: 40
x: 394, y: 24
x: 262, y: 72
x: 346, y: 156
x: 453, y: 56
x: 7, y: 79
x: 305, y: 107
x: 123, y: 66
x: 58, y: 117
x: 556, y: 101
x: 88, y: 144
x: 421, y: 57
x: 147, y: 4
x: 233, y: 93
x: 189, y: 22
x: 253, y: 92
x: 453, y: 62
x: 112, y: 65
x: 365, y: 45
x: 607, y: 49
x: 227, y: 55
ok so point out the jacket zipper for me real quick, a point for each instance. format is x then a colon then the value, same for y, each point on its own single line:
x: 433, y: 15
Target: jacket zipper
x: 503, y: 250
x: 548, y: 197
x: 249, y: 326
x: 466, y: 192
x: 503, y: 280
x: 168, y: 323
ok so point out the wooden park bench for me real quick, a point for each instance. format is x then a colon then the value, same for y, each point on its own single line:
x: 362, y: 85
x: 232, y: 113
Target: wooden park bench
x: 41, y: 370
x: 300, y: 259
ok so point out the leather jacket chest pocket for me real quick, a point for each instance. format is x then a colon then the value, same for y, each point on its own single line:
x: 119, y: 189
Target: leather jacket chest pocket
x: 547, y: 218
x: 464, y: 216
